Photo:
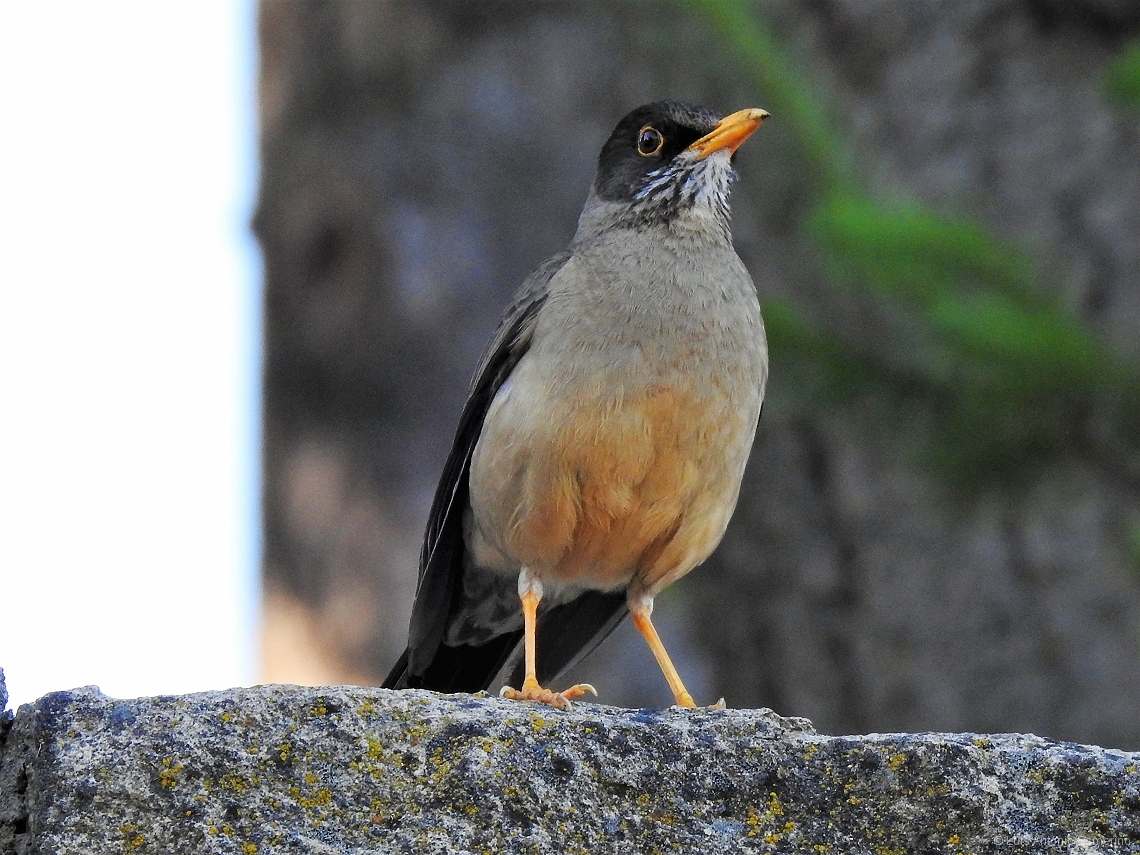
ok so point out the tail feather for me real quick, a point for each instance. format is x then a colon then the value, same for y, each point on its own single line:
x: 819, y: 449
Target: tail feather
x: 464, y: 668
x: 398, y: 677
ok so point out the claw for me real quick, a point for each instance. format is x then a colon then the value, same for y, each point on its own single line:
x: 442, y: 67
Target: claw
x: 719, y: 705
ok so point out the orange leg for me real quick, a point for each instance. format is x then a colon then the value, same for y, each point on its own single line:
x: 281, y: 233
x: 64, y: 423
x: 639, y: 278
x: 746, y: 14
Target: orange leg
x: 640, y: 609
x: 530, y: 592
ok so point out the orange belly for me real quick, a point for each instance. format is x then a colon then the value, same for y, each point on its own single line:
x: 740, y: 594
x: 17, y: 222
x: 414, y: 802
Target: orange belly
x: 633, y: 491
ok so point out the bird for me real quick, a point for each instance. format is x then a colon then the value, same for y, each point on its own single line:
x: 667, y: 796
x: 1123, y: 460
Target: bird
x: 600, y: 452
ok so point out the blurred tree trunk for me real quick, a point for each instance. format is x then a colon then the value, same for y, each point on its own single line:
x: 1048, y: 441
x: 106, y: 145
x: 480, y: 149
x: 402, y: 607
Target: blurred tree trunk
x: 419, y: 159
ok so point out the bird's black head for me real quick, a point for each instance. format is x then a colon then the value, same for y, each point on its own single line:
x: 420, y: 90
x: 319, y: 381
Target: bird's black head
x: 645, y: 140
x: 657, y: 159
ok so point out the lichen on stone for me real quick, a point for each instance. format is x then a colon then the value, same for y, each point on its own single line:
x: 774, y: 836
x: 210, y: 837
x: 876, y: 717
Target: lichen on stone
x: 283, y: 769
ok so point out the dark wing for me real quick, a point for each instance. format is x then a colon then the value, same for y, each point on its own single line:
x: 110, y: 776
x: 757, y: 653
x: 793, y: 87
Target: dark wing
x: 428, y: 663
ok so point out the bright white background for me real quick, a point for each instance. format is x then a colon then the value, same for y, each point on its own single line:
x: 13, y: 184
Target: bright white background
x: 129, y: 341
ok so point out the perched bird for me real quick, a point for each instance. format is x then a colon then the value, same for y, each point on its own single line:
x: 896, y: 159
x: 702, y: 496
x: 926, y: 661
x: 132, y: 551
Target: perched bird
x: 600, y: 453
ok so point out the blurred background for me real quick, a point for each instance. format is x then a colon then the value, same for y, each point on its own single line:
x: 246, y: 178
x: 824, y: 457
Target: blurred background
x: 940, y: 525
x: 939, y: 528
x: 130, y: 307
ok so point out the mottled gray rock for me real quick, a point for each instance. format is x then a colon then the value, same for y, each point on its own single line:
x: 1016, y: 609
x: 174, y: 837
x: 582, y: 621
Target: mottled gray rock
x: 281, y: 769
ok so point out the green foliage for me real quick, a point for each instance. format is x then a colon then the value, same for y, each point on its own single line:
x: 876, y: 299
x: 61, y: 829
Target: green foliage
x: 914, y: 254
x: 1122, y: 78
x: 1133, y: 541
x: 786, y: 94
x: 999, y: 373
x: 804, y: 348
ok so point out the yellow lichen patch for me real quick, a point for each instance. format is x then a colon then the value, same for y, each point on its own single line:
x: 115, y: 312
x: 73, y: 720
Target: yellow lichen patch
x: 235, y: 783
x: 132, y: 837
x: 318, y: 799
x: 378, y: 808
x: 896, y: 761
x: 249, y: 848
x: 375, y: 749
x: 168, y: 774
x: 761, y: 819
x: 227, y: 717
x: 775, y: 807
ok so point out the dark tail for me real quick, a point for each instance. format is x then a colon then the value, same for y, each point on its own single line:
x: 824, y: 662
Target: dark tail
x: 465, y: 668
x: 398, y: 677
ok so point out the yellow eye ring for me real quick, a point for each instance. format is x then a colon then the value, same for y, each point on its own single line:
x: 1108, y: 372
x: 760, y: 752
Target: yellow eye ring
x: 649, y: 141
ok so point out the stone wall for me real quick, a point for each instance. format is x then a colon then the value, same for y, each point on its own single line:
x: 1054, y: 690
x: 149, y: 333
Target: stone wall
x: 281, y: 769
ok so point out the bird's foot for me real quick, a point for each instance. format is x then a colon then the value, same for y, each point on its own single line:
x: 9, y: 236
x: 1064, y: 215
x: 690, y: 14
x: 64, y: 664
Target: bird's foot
x: 558, y: 700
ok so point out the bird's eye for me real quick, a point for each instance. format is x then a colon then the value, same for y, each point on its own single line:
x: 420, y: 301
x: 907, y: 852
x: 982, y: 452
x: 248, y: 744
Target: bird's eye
x: 649, y: 141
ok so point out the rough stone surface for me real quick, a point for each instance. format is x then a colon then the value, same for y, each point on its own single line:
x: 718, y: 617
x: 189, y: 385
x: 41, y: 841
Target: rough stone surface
x: 281, y: 769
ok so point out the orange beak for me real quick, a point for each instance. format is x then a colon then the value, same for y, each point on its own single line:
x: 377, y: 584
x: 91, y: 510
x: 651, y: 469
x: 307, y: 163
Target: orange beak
x: 730, y: 133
